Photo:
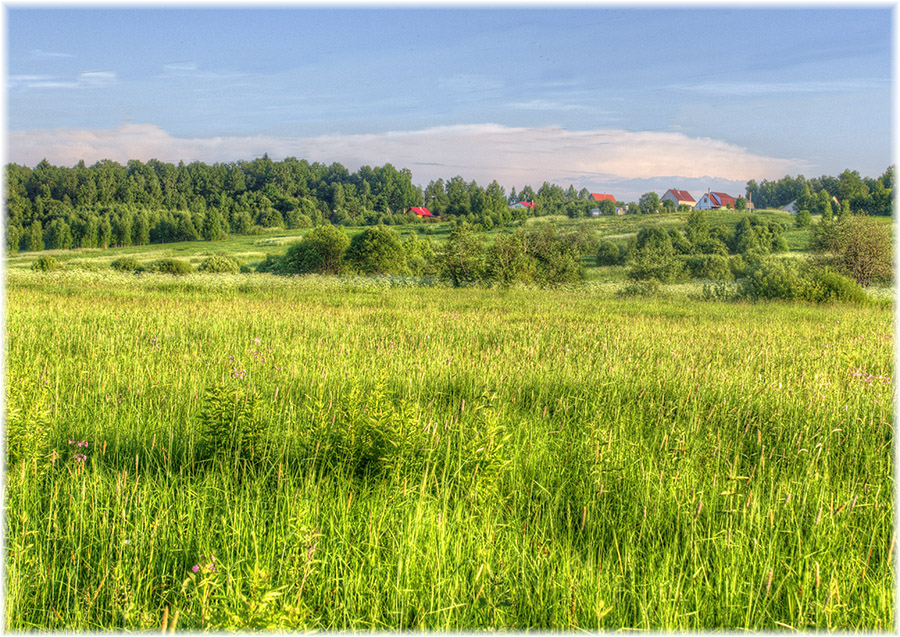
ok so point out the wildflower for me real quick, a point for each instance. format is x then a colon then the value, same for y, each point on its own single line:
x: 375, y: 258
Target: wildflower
x: 195, y: 568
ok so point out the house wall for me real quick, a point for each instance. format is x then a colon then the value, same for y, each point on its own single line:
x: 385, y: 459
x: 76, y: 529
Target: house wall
x: 704, y: 203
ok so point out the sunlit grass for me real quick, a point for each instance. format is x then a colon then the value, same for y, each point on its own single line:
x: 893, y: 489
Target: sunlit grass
x: 449, y: 459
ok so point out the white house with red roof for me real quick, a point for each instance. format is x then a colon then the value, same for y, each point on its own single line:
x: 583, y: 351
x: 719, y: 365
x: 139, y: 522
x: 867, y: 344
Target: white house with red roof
x: 523, y: 204
x: 714, y: 201
x: 679, y: 197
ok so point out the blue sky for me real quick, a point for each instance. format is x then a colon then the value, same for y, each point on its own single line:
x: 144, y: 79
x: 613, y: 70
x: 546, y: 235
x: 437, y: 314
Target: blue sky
x: 614, y: 99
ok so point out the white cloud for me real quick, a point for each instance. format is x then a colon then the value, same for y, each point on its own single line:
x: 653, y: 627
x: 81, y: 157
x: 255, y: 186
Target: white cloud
x: 49, y: 55
x: 512, y: 156
x: 88, y: 79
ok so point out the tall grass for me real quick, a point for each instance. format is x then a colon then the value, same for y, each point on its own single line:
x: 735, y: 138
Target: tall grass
x: 445, y: 459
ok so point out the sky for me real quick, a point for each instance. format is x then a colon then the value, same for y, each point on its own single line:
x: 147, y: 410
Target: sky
x: 614, y: 99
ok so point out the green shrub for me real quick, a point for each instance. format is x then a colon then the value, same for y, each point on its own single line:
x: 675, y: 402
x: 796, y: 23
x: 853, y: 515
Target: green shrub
x: 220, y: 265
x: 320, y: 252
x: 177, y: 267
x: 780, y: 279
x: 827, y: 285
x: 640, y: 288
x: 710, y: 266
x: 608, y: 253
x: 127, y: 264
x: 272, y: 264
x: 377, y: 250
x: 773, y: 279
x: 737, y: 265
x: 46, y: 263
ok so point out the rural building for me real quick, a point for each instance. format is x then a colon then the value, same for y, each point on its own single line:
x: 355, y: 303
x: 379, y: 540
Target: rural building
x: 791, y: 207
x: 714, y: 201
x: 679, y: 197
x: 420, y: 212
x: 523, y: 204
x: 596, y: 196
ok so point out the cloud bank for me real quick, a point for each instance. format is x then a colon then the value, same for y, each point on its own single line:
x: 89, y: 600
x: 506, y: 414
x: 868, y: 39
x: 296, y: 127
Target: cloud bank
x: 484, y: 152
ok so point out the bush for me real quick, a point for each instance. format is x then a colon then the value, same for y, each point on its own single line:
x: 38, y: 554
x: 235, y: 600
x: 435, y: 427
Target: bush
x: 377, y: 250
x: 46, y: 263
x: 710, y: 266
x: 780, y: 279
x: 127, y: 264
x: 508, y: 261
x: 608, y: 253
x: 859, y: 247
x: 646, y: 287
x: 773, y: 279
x: 463, y: 257
x: 321, y: 252
x: 273, y: 264
x: 177, y: 267
x: 803, y: 219
x: 827, y: 285
x: 737, y: 265
x: 220, y: 265
x: 654, y: 258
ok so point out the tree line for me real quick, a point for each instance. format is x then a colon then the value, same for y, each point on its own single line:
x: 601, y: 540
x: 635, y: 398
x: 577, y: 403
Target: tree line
x: 110, y: 204
x: 827, y: 195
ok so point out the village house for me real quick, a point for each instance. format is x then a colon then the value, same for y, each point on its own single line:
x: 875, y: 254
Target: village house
x: 596, y: 196
x: 523, y: 204
x: 714, y: 201
x: 420, y: 212
x: 679, y: 198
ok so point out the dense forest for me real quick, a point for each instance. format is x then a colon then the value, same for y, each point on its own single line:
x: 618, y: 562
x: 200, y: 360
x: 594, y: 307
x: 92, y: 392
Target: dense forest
x: 108, y: 204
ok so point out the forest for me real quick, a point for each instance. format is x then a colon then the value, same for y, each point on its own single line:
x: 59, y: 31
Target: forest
x: 108, y: 204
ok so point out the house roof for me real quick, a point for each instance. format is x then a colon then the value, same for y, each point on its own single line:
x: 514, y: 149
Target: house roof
x: 422, y: 212
x: 527, y: 204
x: 681, y: 195
x: 722, y: 199
x: 600, y: 197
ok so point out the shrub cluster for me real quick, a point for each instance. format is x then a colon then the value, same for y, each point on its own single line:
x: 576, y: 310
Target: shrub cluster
x: 540, y: 256
x: 219, y: 265
x: 46, y: 263
x: 787, y: 280
x: 127, y: 264
x: 177, y: 267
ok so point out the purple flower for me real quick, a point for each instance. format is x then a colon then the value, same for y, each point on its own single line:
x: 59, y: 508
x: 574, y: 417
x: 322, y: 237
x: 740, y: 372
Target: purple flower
x: 195, y: 568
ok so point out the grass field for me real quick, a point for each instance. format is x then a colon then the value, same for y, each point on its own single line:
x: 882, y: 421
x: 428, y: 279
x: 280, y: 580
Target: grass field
x: 443, y: 459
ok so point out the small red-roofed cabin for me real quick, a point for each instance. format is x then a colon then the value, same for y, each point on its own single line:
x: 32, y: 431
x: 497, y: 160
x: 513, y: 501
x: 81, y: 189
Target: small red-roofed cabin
x: 420, y: 212
x: 523, y: 204
x: 601, y: 197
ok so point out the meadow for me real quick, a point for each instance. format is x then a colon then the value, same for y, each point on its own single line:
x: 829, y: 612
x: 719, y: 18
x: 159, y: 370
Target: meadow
x: 253, y: 452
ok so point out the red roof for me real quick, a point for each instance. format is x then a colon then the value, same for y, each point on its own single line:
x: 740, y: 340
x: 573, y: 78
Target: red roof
x: 599, y: 197
x: 527, y: 204
x: 721, y: 199
x: 422, y: 212
x: 681, y: 195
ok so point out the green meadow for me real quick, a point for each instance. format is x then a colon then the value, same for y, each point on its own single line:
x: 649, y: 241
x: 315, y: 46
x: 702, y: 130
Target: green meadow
x: 242, y: 452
